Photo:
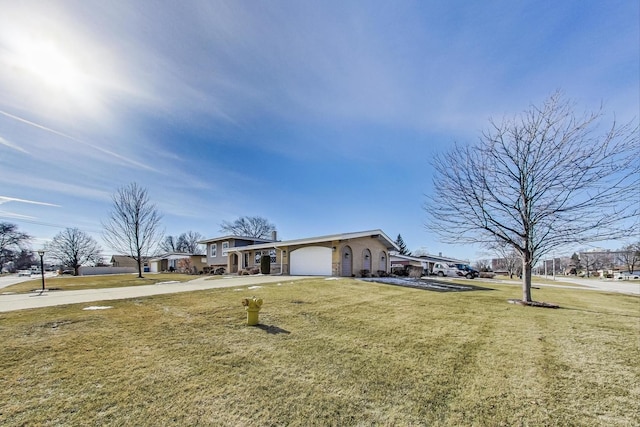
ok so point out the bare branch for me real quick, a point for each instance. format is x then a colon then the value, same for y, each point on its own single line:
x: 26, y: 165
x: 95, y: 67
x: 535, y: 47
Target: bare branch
x: 537, y: 182
x: 133, y: 227
x: 249, y: 226
x: 74, y: 248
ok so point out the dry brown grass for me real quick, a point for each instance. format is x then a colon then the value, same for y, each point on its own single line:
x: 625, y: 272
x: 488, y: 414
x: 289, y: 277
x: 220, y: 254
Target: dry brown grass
x: 340, y: 352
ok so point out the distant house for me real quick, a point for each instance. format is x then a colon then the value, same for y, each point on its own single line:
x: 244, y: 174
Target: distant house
x: 128, y: 261
x: 346, y: 254
x: 180, y: 262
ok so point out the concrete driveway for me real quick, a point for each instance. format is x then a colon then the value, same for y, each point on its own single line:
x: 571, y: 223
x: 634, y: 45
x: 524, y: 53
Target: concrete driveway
x: 52, y: 298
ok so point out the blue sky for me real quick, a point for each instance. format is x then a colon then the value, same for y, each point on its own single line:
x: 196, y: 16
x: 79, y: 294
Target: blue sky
x: 320, y: 116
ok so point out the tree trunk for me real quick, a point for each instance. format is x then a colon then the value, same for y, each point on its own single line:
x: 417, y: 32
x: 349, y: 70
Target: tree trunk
x: 76, y: 270
x: 526, y: 277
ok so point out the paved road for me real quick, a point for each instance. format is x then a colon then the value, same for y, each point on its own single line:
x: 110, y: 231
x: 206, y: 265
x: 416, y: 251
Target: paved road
x: 12, y: 279
x: 48, y: 299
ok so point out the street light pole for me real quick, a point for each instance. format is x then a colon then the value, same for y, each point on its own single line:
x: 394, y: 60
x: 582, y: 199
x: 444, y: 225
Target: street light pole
x: 41, y: 253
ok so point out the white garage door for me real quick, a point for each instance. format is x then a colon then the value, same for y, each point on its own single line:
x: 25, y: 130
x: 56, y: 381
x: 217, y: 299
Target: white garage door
x: 311, y: 261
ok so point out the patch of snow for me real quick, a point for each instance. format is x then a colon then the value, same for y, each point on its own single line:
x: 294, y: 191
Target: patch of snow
x: 332, y: 278
x: 254, y: 287
x: 279, y: 284
x: 98, y: 307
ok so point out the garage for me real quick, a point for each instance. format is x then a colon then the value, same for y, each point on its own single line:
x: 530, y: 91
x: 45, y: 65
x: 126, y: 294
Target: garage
x: 310, y: 261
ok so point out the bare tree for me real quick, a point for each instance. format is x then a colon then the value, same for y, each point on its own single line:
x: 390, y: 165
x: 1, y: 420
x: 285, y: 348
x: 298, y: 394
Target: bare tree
x: 591, y: 261
x: 630, y: 256
x: 74, y: 248
x: 169, y: 244
x: 509, y: 258
x: 188, y: 243
x: 133, y: 227
x: 249, y: 226
x: 185, y: 243
x: 12, y: 242
x: 541, y: 180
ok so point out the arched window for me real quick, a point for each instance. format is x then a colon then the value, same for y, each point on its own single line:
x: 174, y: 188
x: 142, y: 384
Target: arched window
x: 366, y: 260
x: 382, y: 266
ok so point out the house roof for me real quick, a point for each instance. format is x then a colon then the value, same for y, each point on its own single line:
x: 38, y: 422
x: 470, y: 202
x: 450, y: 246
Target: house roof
x: 232, y: 237
x: 383, y: 238
x: 429, y: 258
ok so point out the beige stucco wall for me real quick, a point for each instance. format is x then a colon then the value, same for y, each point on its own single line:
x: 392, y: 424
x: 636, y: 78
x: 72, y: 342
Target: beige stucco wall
x: 358, y: 247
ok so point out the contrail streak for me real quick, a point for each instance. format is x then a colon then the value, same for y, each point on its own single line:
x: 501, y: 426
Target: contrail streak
x: 55, y: 132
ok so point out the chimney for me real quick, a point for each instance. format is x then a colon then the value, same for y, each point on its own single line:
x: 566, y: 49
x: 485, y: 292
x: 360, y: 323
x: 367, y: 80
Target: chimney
x: 274, y: 235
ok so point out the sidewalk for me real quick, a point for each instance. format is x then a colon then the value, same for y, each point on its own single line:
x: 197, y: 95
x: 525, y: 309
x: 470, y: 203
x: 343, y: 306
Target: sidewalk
x: 53, y: 298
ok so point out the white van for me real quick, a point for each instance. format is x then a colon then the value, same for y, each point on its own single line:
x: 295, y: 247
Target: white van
x: 443, y: 269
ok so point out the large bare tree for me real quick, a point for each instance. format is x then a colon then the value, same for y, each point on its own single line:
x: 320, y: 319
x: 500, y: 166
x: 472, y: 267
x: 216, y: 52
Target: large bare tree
x: 12, y: 242
x: 630, y: 256
x: 249, y: 226
x: 74, y: 248
x: 133, y: 226
x: 541, y: 180
x: 184, y: 243
x: 188, y: 243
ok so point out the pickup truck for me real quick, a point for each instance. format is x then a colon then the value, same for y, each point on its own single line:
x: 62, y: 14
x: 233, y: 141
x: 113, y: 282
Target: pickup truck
x: 467, y: 271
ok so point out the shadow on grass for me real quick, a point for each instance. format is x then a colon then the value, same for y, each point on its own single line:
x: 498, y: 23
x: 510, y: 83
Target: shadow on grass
x: 428, y: 285
x: 273, y: 330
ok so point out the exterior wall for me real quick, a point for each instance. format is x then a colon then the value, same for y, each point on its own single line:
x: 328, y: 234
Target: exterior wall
x: 358, y: 247
x: 123, y: 261
x: 246, y: 259
x: 277, y: 267
x: 224, y: 260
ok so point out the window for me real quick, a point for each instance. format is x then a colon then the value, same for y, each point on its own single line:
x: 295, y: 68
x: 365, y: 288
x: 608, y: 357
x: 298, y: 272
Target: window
x: 225, y: 248
x: 270, y: 253
x: 214, y: 250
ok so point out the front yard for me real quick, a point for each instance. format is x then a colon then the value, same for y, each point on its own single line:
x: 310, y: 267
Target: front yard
x: 327, y: 352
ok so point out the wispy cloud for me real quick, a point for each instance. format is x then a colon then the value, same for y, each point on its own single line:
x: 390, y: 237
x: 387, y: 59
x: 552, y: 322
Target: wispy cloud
x: 6, y: 199
x: 12, y: 146
x: 117, y: 156
x: 13, y: 215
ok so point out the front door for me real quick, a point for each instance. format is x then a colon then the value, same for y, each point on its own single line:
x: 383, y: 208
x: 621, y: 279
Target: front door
x: 234, y: 263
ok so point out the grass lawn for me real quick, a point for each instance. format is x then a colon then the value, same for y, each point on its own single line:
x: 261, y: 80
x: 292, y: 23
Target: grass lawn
x: 327, y: 352
x: 74, y: 283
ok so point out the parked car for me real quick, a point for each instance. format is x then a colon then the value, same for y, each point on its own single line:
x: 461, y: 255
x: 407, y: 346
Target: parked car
x: 627, y: 276
x: 469, y: 272
x: 22, y: 273
x: 443, y: 269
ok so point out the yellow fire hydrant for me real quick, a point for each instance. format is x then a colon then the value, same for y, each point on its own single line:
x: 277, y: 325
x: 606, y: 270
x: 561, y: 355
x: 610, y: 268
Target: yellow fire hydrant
x: 252, y: 306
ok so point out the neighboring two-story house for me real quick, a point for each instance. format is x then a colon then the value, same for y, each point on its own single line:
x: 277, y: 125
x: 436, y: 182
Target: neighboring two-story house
x: 346, y: 254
